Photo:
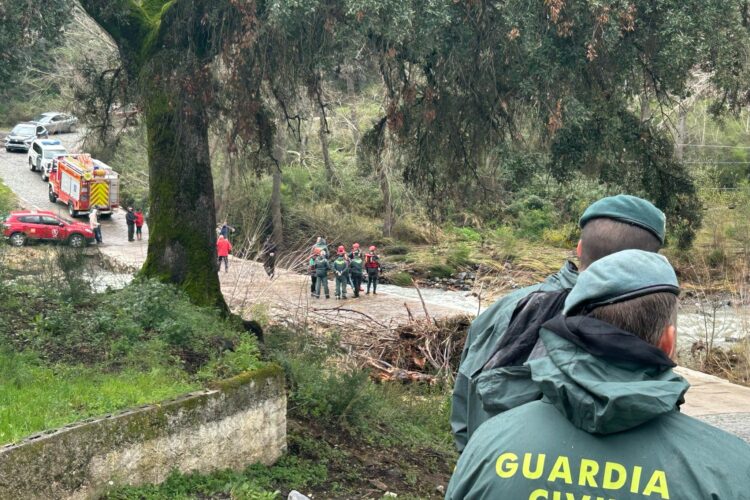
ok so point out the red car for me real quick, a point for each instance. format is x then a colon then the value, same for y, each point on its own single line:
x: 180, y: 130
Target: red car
x: 42, y: 225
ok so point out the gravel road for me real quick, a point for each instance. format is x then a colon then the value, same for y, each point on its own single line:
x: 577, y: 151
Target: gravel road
x: 33, y: 193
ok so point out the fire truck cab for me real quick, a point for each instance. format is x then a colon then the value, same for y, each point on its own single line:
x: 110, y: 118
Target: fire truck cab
x: 83, y: 183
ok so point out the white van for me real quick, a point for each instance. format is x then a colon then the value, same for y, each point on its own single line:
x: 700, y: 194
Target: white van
x: 41, y: 153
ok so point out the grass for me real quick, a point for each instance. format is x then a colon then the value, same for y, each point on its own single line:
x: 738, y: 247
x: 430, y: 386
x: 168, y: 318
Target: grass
x: 68, y: 353
x: 35, y: 397
x: 348, y: 436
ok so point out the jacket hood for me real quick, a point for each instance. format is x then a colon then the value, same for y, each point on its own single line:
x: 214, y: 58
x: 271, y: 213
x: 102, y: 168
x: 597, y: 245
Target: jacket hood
x: 602, y: 379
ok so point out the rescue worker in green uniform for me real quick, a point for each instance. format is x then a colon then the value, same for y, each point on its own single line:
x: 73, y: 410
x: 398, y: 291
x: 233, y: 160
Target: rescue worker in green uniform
x: 321, y: 274
x: 609, y: 225
x: 356, y: 268
x: 609, y: 424
x: 341, y: 272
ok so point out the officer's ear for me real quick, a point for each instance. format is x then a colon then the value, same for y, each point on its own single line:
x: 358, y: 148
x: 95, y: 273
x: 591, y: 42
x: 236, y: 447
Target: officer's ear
x: 668, y: 341
x: 579, y: 250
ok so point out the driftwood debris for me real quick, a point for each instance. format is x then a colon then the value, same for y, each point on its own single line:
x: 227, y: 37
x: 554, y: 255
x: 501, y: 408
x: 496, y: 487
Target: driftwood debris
x: 422, y: 350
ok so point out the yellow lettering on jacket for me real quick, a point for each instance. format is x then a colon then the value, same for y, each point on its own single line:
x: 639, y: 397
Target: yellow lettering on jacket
x: 657, y: 484
x: 614, y: 469
x: 506, y: 465
x: 635, y: 481
x: 537, y: 494
x: 588, y: 472
x: 538, y: 471
x: 561, y: 470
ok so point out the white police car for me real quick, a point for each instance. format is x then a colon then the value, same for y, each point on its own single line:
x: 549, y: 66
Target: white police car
x: 41, y: 153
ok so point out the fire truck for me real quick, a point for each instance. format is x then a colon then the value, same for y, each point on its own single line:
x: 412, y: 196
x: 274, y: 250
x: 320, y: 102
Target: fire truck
x: 83, y: 183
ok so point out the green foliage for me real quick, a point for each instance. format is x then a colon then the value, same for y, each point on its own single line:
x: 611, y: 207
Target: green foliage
x: 145, y: 325
x: 8, y: 201
x: 401, y: 279
x: 466, y: 234
x: 441, y: 271
x: 35, y: 396
x: 29, y: 34
x: 459, y: 257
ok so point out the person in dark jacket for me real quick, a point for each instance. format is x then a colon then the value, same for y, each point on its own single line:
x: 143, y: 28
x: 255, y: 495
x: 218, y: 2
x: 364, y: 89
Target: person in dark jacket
x: 356, y: 252
x: 607, y: 226
x: 321, y: 274
x: 356, y: 268
x: 269, y: 257
x: 311, y: 269
x: 130, y: 221
x: 372, y: 266
x: 341, y: 272
x: 609, y: 424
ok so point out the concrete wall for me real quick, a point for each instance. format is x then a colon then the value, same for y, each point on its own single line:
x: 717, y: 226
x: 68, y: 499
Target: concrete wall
x: 239, y: 422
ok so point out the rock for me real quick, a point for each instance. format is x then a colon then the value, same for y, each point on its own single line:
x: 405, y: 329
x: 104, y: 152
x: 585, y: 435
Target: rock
x: 379, y: 484
x: 461, y: 276
x: 440, y: 489
x: 296, y: 495
x: 390, y: 494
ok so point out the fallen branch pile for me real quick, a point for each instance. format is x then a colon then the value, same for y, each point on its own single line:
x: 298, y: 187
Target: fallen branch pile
x: 418, y: 351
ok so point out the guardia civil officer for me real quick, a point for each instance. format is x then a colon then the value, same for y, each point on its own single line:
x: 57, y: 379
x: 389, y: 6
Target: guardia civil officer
x: 491, y: 366
x: 608, y: 425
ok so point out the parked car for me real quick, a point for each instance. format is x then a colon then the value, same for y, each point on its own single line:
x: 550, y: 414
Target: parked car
x: 22, y: 226
x: 41, y: 154
x: 22, y: 135
x: 56, y: 123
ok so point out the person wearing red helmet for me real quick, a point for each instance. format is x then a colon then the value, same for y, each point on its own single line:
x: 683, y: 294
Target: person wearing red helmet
x: 356, y: 254
x: 341, y: 272
x: 372, y: 266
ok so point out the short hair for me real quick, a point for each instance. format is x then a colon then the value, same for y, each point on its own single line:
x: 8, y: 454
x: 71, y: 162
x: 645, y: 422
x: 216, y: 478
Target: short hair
x: 645, y: 316
x: 601, y: 237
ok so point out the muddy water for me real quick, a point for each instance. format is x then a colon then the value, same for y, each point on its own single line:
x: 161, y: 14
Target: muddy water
x: 463, y: 301
x: 726, y: 325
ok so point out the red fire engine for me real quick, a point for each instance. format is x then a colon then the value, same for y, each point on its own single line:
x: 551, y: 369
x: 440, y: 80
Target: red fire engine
x: 83, y: 183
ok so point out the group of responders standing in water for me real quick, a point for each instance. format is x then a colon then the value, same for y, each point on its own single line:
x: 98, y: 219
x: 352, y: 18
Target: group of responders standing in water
x: 349, y: 269
x: 353, y: 269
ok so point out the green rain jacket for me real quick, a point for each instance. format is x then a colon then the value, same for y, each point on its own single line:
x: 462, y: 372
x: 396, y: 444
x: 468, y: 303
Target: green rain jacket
x: 341, y: 266
x: 607, y: 428
x: 510, y: 386
x: 321, y: 266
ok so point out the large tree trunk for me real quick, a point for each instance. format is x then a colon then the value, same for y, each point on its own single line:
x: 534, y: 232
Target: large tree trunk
x: 182, y: 242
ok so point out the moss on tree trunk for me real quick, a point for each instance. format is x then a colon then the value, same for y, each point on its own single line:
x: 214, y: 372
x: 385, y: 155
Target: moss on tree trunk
x: 182, y: 243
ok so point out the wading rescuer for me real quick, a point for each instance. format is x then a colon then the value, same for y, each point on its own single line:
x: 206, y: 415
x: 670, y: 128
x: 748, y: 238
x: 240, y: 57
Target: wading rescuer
x: 372, y: 266
x: 608, y: 425
x: 492, y: 377
x: 321, y: 274
x: 341, y: 271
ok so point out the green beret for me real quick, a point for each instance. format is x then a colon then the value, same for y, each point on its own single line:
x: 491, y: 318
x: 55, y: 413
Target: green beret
x: 628, y: 209
x: 621, y: 276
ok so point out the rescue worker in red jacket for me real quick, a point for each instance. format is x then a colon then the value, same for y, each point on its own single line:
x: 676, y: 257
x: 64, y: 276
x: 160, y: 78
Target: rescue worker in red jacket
x: 223, y: 247
x: 138, y: 224
x: 372, y: 266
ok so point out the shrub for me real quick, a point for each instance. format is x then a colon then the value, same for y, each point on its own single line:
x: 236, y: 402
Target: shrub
x: 467, y: 234
x: 459, y: 257
x: 532, y: 223
x: 401, y: 279
x: 563, y: 236
x: 441, y: 271
x: 397, y: 250
x: 408, y: 230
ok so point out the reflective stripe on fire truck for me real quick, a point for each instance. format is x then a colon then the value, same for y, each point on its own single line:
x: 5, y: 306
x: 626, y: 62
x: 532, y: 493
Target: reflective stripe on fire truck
x: 99, y: 195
